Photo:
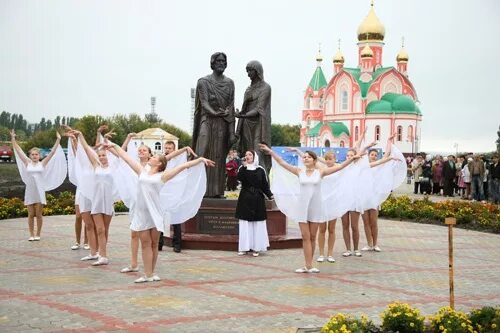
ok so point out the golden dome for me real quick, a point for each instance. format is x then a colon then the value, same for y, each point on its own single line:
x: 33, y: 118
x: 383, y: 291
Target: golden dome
x: 371, y: 28
x: 402, y: 55
x: 366, y: 52
x: 339, y: 58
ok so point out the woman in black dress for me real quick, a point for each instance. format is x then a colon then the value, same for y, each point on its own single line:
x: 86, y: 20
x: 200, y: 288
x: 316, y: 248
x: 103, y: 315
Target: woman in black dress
x: 251, y: 208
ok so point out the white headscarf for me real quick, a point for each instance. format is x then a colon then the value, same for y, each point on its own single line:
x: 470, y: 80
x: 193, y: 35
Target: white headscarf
x: 255, y: 164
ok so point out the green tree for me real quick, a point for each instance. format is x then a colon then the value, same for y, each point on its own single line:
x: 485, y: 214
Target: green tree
x: 285, y: 135
x: 4, y: 133
x: 88, y: 125
x: 43, y: 139
x: 5, y: 119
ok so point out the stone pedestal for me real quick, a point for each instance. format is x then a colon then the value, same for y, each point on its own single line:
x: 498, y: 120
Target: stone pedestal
x: 215, y: 228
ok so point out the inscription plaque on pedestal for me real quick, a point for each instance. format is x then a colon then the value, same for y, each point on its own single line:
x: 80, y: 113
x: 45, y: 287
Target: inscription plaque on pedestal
x: 217, y: 223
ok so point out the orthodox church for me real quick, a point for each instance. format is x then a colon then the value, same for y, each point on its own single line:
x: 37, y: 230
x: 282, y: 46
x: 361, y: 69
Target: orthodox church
x: 380, y: 99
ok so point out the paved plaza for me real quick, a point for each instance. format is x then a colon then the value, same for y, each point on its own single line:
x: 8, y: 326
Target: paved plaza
x: 44, y: 287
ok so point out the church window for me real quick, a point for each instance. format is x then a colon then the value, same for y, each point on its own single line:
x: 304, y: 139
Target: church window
x: 329, y: 104
x: 344, y: 100
x: 400, y: 133
x: 342, y: 144
x: 158, y: 146
x: 356, y: 133
x: 377, y: 133
x: 410, y: 133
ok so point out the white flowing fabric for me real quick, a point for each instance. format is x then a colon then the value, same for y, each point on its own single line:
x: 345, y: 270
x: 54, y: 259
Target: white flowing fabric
x: 96, y: 185
x: 71, y: 164
x: 145, y: 212
x: 132, y: 148
x: 286, y: 189
x: 389, y: 176
x: 337, y: 192
x: 84, y: 172
x: 364, y: 197
x: 253, y: 236
x: 39, y: 179
x: 153, y: 203
x: 189, y: 193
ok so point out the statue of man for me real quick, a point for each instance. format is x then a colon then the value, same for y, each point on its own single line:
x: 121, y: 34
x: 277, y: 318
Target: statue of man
x: 213, y: 128
x: 254, y: 123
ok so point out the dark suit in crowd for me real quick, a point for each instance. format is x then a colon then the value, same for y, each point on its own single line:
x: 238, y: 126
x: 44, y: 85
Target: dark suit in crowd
x: 449, y: 173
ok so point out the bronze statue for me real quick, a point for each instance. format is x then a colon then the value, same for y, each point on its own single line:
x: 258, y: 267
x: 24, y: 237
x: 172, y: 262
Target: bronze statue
x: 254, y: 123
x: 213, y: 128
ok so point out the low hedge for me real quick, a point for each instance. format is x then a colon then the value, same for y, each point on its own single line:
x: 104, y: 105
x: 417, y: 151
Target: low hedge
x: 63, y: 204
x: 469, y: 215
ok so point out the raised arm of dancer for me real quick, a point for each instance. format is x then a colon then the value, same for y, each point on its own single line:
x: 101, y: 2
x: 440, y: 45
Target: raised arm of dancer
x: 136, y: 166
x: 127, y: 140
x: 99, y: 134
x: 301, y: 154
x: 88, y: 150
x: 180, y: 151
x: 277, y: 158
x: 388, y: 146
x: 357, y: 145
x: 366, y: 148
x: 383, y: 160
x: 73, y: 141
x: 53, y: 150
x: 329, y: 170
x: 387, y: 155
x: 18, y: 149
x: 171, y: 173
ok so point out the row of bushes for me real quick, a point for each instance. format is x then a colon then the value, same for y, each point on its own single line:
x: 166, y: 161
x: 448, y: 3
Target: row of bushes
x: 470, y: 215
x: 63, y: 204
x: 400, y: 317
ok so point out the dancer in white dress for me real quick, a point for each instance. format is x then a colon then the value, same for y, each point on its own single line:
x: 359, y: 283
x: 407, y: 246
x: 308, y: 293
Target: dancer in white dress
x: 72, y: 145
x: 101, y: 191
x: 307, y: 207
x: 358, y: 186
x: 39, y: 177
x: 387, y: 174
x: 150, y: 211
x: 330, y: 161
x: 144, y: 154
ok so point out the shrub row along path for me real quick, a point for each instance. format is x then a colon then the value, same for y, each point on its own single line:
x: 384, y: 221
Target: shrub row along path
x: 44, y: 287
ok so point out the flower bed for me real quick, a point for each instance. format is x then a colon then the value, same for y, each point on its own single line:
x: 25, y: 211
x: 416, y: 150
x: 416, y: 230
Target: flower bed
x: 469, y: 215
x: 402, y: 318
x: 63, y: 204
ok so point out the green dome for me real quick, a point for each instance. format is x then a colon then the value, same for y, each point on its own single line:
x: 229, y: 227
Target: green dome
x: 393, y: 103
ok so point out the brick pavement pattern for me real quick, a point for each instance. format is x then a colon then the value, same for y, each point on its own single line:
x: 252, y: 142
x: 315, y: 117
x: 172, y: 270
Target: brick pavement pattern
x: 44, y: 287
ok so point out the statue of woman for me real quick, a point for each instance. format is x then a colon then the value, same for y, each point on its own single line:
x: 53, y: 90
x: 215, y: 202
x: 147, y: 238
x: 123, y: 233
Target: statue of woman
x: 254, y: 123
x: 213, y: 128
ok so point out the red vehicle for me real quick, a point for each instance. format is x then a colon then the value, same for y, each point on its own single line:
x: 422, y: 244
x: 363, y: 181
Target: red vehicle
x: 6, y: 154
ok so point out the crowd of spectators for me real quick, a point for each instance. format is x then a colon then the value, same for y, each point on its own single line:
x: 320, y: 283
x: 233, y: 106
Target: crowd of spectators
x: 470, y: 176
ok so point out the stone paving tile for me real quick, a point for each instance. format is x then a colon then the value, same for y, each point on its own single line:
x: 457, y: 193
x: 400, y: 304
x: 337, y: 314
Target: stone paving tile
x: 60, y: 280
x: 17, y: 315
x: 280, y: 324
x: 307, y: 291
x: 216, y: 291
x: 150, y: 304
